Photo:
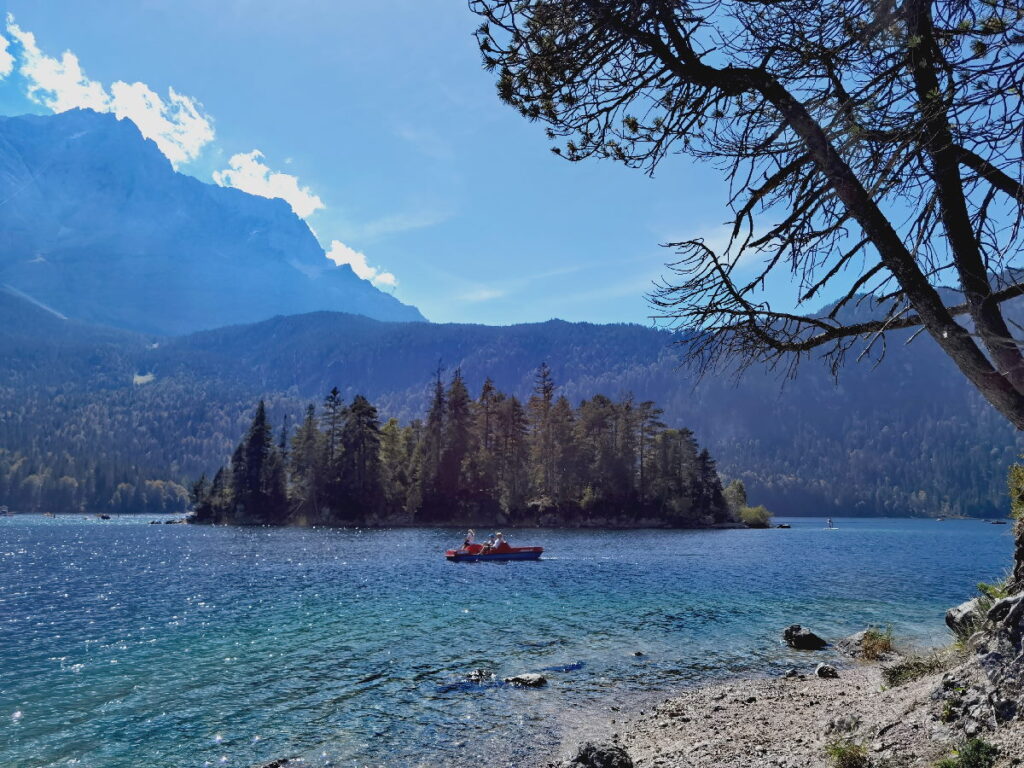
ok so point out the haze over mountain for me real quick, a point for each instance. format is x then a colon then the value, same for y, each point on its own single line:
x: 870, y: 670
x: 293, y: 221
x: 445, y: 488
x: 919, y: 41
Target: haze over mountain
x: 97, y: 225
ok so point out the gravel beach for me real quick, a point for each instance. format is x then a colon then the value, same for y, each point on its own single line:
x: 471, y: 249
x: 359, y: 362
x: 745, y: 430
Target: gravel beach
x: 789, y: 722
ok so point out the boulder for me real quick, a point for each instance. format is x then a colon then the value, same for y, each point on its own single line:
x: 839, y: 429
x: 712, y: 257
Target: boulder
x: 853, y: 646
x: 1009, y: 611
x: 527, y: 680
x: 961, y: 618
x: 826, y: 671
x: 843, y: 724
x: 603, y: 755
x: 802, y: 638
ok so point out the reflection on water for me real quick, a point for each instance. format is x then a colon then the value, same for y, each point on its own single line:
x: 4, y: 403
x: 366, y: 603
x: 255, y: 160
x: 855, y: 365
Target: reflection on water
x: 126, y: 644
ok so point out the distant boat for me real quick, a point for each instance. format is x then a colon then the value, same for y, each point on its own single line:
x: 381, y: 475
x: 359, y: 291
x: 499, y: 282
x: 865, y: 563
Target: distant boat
x: 783, y: 525
x: 49, y: 514
x: 475, y: 553
x: 998, y: 522
x: 939, y: 519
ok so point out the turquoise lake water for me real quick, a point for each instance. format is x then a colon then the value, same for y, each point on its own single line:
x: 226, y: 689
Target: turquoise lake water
x: 124, y: 644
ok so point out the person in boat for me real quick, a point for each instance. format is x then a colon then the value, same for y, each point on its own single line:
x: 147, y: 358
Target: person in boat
x: 470, y: 539
x: 499, y: 542
x: 830, y: 523
x: 489, y: 544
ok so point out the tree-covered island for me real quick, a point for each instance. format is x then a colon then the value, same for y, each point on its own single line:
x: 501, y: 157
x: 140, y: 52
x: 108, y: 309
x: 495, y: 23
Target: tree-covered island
x: 492, y: 460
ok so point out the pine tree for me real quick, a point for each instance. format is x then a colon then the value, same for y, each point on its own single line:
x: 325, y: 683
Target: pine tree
x: 394, y: 466
x: 649, y: 427
x: 542, y: 454
x: 308, y: 463
x: 708, y: 495
x: 513, y: 454
x: 334, y: 410
x: 360, y: 457
x: 429, y: 452
x: 458, y: 435
x: 565, y: 459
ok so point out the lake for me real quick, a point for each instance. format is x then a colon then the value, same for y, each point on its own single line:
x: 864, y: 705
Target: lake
x: 126, y: 644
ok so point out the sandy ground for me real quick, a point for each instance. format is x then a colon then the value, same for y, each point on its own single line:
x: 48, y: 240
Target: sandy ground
x: 788, y: 723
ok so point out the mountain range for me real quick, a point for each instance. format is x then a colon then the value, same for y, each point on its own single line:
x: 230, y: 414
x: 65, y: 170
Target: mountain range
x: 96, y: 224
x: 143, y: 313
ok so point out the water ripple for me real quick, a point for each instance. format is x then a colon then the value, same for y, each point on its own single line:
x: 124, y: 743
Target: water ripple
x: 171, y: 646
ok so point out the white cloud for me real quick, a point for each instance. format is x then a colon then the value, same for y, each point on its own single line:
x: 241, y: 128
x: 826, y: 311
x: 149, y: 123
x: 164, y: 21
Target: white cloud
x: 6, y: 59
x: 177, y: 125
x: 340, y: 254
x: 249, y: 173
x: 59, y: 84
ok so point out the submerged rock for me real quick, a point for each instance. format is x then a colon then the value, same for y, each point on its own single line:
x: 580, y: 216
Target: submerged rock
x: 802, y: 638
x: 826, y: 671
x: 602, y: 755
x: 527, y: 680
x: 480, y: 675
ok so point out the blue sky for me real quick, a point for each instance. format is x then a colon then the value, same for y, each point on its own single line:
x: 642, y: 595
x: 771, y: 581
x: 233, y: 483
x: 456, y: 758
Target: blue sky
x: 377, y: 122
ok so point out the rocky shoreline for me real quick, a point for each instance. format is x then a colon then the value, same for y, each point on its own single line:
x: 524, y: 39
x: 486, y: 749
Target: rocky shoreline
x: 894, y: 711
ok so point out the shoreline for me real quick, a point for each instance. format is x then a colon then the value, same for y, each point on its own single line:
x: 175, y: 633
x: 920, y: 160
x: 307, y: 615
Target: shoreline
x: 790, y: 721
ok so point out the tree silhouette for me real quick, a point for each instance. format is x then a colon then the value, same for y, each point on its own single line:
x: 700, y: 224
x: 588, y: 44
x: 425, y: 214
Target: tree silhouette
x: 873, y: 149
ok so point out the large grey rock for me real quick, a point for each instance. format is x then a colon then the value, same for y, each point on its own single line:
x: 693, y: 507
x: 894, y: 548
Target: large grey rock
x: 802, y: 638
x: 960, y: 619
x: 1009, y: 612
x: 999, y: 654
x: 826, y: 671
x: 603, y: 755
x: 853, y: 646
x: 527, y: 680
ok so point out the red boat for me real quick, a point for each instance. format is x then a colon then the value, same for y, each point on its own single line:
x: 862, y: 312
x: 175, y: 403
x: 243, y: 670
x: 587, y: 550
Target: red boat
x: 503, y: 551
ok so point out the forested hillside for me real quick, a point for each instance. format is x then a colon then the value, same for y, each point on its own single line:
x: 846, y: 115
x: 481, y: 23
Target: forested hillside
x: 906, y: 438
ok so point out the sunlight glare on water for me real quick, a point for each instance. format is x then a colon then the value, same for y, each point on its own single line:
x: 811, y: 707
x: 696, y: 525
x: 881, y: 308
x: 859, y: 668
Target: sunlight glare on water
x: 126, y: 644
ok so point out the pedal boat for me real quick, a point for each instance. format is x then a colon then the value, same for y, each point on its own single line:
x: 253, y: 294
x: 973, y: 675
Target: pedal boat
x: 476, y: 553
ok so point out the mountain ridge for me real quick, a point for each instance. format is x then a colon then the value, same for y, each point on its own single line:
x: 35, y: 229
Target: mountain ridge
x: 97, y: 225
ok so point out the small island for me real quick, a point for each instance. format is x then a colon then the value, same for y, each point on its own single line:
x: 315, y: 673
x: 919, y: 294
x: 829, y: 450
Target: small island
x: 489, y: 460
